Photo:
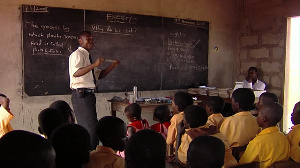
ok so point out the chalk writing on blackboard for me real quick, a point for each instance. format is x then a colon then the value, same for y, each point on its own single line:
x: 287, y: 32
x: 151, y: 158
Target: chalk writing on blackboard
x: 118, y: 18
x: 32, y: 8
x: 108, y: 29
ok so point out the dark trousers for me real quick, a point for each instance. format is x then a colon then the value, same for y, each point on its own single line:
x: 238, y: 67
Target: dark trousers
x: 84, y: 106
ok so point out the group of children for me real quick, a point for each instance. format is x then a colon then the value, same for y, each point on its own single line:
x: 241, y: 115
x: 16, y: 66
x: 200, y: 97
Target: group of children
x: 200, y: 137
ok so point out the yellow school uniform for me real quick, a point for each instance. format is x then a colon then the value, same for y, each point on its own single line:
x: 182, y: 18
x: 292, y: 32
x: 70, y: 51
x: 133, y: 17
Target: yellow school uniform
x: 104, y: 157
x: 216, y: 120
x: 294, y: 140
x: 172, y: 130
x: 5, y: 118
x: 229, y: 160
x: 269, y: 146
x: 240, y: 128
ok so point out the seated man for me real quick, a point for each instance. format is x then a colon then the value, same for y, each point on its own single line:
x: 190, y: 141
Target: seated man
x: 252, y: 82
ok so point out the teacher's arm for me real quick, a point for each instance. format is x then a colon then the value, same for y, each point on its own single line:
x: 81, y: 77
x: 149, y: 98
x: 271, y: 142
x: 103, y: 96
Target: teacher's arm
x: 84, y: 70
x: 108, y: 69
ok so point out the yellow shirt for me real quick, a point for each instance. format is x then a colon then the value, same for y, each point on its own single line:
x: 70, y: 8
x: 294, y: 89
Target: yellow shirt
x: 269, y: 146
x: 216, y: 120
x: 240, y: 128
x: 229, y: 160
x: 5, y: 118
x: 104, y: 157
x: 294, y: 140
x: 172, y: 130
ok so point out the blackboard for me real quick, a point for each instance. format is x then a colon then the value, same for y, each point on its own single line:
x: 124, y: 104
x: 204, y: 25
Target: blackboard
x: 156, y: 53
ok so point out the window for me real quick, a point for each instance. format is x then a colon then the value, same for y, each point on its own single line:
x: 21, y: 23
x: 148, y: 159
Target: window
x: 292, y: 71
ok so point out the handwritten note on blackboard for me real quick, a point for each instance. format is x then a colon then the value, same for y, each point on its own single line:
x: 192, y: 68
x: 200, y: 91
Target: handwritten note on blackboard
x: 155, y: 52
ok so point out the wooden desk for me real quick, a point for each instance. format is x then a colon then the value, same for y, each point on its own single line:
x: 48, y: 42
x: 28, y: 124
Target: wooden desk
x: 146, y: 107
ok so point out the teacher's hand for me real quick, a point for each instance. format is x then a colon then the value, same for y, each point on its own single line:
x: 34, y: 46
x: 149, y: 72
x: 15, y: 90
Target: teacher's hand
x: 116, y: 63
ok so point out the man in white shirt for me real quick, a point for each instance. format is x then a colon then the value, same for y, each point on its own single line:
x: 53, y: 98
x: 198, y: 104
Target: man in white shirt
x: 252, y: 82
x: 83, y: 74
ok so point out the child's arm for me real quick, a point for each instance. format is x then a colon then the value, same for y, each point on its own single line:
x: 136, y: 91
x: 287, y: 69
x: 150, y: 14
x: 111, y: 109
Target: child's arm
x: 180, y: 132
x: 130, y: 131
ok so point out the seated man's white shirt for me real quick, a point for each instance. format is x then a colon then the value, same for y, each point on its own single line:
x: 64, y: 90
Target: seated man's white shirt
x: 258, y: 85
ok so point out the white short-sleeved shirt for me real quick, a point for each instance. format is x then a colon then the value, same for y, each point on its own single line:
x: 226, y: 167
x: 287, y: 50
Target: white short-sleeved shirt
x: 79, y: 59
x: 258, y: 85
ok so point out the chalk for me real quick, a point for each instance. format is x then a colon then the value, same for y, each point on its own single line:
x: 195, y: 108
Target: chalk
x: 110, y: 60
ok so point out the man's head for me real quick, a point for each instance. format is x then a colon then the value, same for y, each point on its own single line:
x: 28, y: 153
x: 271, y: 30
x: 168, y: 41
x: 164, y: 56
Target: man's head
x: 214, y: 104
x: 86, y: 40
x: 296, y: 114
x: 194, y: 116
x: 252, y: 73
x: 269, y: 114
x: 71, y: 143
x: 49, y: 119
x: 206, y: 152
x: 111, y: 131
x: 145, y: 149
x: 25, y: 149
x: 266, y: 97
x: 242, y: 99
x: 181, y: 100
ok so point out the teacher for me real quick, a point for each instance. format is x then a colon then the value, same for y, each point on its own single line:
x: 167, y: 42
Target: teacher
x: 83, y: 74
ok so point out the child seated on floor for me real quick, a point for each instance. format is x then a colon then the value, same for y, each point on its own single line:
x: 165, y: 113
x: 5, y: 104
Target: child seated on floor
x: 270, y: 145
x: 294, y: 135
x: 161, y: 114
x: 133, y: 114
x: 180, y: 101
x: 214, y: 106
x: 65, y: 108
x: 111, y: 131
x: 206, y: 152
x: 145, y: 149
x: 194, y: 125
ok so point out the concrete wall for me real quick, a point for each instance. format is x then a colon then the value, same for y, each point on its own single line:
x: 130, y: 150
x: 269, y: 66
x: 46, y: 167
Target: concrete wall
x: 262, y: 39
x: 221, y: 14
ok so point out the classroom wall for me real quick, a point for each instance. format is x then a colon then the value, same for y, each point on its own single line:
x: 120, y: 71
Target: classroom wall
x: 262, y: 39
x: 221, y: 14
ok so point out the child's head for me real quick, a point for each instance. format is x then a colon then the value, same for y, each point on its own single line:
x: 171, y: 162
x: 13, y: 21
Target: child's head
x: 242, y: 99
x: 111, y: 131
x: 206, y: 152
x: 296, y: 114
x: 145, y: 149
x: 71, y: 143
x: 180, y: 101
x: 266, y: 97
x: 162, y: 113
x: 133, y: 112
x: 194, y: 116
x: 25, y: 149
x: 65, y: 108
x: 269, y: 114
x: 214, y: 104
x: 49, y: 119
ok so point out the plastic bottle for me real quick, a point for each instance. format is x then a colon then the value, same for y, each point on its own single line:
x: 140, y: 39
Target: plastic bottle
x: 135, y: 94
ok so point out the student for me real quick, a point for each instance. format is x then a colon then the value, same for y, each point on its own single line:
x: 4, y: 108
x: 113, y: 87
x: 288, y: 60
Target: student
x: 133, y: 114
x: 65, y: 108
x: 180, y: 101
x: 83, y: 74
x: 71, y: 143
x: 194, y: 123
x: 161, y: 114
x: 294, y: 135
x: 49, y: 119
x: 206, y: 152
x: 214, y: 107
x: 263, y: 98
x: 145, y: 149
x: 5, y: 116
x: 111, y: 132
x: 252, y: 82
x: 242, y: 127
x: 270, y: 145
x: 23, y: 149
